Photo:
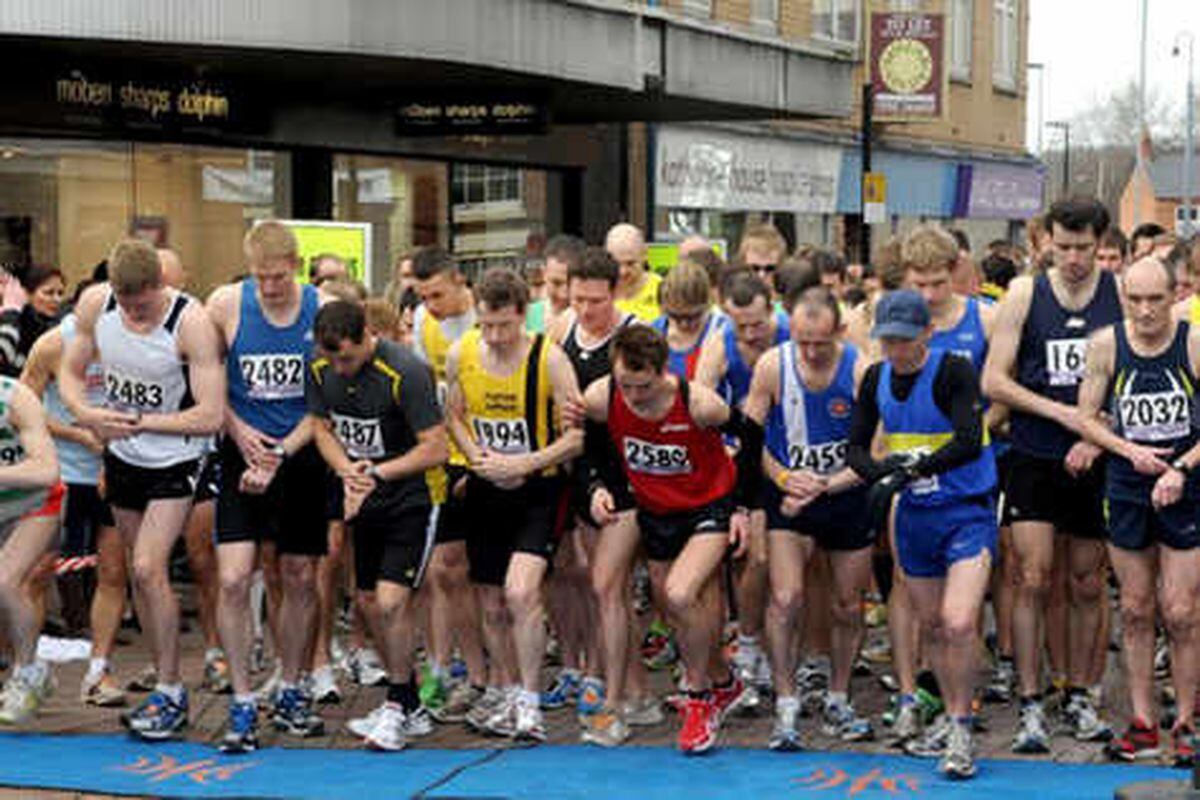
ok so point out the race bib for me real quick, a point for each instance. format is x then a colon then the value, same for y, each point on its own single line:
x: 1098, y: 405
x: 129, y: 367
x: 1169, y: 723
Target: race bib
x: 923, y: 486
x: 273, y: 376
x: 824, y: 459
x: 1065, y: 360
x: 443, y: 392
x: 11, y: 453
x: 656, y: 459
x: 508, y: 436
x: 1154, y: 416
x: 127, y: 391
x: 362, y: 438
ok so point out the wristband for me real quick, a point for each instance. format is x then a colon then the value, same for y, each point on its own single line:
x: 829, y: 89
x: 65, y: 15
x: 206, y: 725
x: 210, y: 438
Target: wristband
x: 781, y: 480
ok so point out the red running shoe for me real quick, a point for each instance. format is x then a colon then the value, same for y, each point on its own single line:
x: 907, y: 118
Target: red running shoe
x: 728, y: 698
x: 700, y: 721
x: 1183, y: 746
x: 1140, y: 741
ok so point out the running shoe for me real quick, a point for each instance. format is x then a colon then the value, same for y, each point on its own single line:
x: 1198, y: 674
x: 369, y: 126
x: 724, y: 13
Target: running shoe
x: 841, y: 722
x: 644, y: 712
x: 605, y: 728
x: 784, y: 736
x: 1031, y: 734
x: 432, y: 690
x: 1183, y: 747
x: 144, y: 681
x: 103, y: 691
x: 728, y: 699
x: 387, y: 734
x: 1000, y: 688
x: 325, y: 689
x: 418, y: 723
x: 241, y: 732
x: 958, y: 760
x: 293, y: 714
x: 216, y: 672
x: 158, y: 717
x: 366, y: 668
x: 362, y: 726
x: 461, y: 698
x: 659, y: 650
x: 906, y: 724
x: 21, y: 699
x: 503, y: 719
x: 932, y: 743
x: 481, y: 711
x: 698, y: 733
x: 1086, y: 721
x: 527, y: 724
x: 591, y: 697
x: 564, y: 690
x: 1139, y: 742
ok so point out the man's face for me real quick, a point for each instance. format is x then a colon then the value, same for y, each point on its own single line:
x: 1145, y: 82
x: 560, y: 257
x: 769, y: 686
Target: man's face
x: 816, y: 333
x: 141, y: 308
x: 275, y: 278
x: 631, y: 258
x: 500, y: 328
x: 349, y: 356
x: 1074, y: 252
x: 1109, y: 258
x: 555, y: 273
x: 752, y: 323
x: 440, y: 293
x: 905, y: 355
x: 934, y: 285
x: 593, y: 302
x: 404, y: 275
x: 1148, y: 299
x: 765, y: 263
x: 639, y: 387
x: 329, y: 269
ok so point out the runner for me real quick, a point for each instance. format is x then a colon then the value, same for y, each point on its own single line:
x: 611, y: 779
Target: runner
x: 88, y: 525
x: 378, y: 426
x: 446, y: 313
x: 30, y: 503
x: 164, y: 396
x: 688, y: 318
x: 637, y: 289
x: 763, y: 250
x: 505, y: 386
x: 726, y: 364
x: 1034, y: 365
x: 803, y: 389
x: 672, y: 456
x: 267, y: 468
x: 1142, y: 372
x: 927, y: 402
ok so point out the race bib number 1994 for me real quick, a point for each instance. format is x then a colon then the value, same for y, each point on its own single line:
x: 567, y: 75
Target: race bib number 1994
x: 508, y: 436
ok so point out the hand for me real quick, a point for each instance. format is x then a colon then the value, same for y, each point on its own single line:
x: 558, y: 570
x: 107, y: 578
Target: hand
x: 1080, y: 458
x: 254, y: 445
x: 603, y: 507
x: 110, y: 425
x: 880, y: 496
x: 255, y: 480
x: 792, y: 505
x: 1167, y: 489
x: 573, y: 413
x: 1149, y: 460
x: 739, y: 532
x: 506, y: 471
x: 354, y: 494
x: 88, y: 438
x: 804, y: 485
x: 358, y: 475
x: 101, y: 485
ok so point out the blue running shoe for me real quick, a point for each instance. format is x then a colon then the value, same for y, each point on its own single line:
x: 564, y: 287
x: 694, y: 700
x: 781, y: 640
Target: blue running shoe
x: 564, y: 690
x: 158, y: 717
x: 591, y: 698
x: 293, y: 714
x: 241, y: 736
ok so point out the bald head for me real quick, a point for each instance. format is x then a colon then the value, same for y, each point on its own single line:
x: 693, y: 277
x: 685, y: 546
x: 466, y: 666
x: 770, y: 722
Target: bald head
x: 693, y: 244
x: 627, y: 247
x: 173, y: 273
x: 1148, y: 275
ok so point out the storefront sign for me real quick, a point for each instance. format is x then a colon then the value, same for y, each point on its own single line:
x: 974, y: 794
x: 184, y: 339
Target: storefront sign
x: 351, y: 241
x: 874, y: 198
x: 697, y: 168
x: 482, y: 114
x: 908, y: 70
x: 999, y: 191
x: 662, y: 256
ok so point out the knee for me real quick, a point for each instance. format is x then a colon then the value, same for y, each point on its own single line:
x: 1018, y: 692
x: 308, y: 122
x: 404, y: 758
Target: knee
x: 680, y: 597
x: 391, y: 604
x: 234, y: 585
x: 147, y: 574
x: 1033, y: 579
x: 786, y: 600
x: 956, y: 628
x: 846, y: 611
x: 1137, y: 613
x: 1086, y: 587
x: 110, y: 573
x: 523, y: 600
x: 298, y: 575
x: 609, y: 585
x: 1179, y: 615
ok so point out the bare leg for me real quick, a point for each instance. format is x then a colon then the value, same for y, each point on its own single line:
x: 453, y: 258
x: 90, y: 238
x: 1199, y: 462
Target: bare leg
x: 25, y: 547
x: 523, y: 596
x: 1136, y: 571
x: 202, y: 559
x: 1087, y: 585
x: 851, y: 575
x: 615, y: 548
x: 787, y: 557
x: 692, y: 591
x: 1180, y: 570
x: 328, y: 569
x: 236, y: 562
x: 109, y: 600
x: 297, y: 613
x: 1033, y: 545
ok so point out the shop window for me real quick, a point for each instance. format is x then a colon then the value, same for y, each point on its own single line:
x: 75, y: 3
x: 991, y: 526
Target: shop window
x: 838, y: 21
x: 764, y: 15
x: 961, y: 23
x: 1005, y: 45
x: 479, y: 183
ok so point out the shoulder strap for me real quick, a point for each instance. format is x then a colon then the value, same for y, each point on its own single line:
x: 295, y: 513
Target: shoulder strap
x: 172, y: 320
x: 685, y: 395
x: 532, y: 375
x: 111, y: 303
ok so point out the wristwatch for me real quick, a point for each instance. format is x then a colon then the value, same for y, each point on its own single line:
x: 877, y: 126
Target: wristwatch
x: 279, y: 451
x: 1182, y: 466
x: 374, y: 472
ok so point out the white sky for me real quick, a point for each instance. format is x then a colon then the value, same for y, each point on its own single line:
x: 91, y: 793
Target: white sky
x: 1090, y: 47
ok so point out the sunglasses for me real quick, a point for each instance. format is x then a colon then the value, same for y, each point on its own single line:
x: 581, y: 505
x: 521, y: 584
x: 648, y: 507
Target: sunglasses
x: 686, y: 318
x: 764, y: 269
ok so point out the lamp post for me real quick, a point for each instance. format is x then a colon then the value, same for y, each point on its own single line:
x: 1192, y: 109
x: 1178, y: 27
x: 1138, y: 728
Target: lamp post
x: 1189, y: 149
x: 1066, y: 175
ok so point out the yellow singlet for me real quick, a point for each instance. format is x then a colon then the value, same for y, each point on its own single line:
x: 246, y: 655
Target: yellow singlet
x: 437, y: 345
x: 644, y: 304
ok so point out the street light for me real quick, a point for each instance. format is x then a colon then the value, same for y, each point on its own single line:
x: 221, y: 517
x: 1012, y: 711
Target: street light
x: 1066, y: 129
x: 1190, y: 147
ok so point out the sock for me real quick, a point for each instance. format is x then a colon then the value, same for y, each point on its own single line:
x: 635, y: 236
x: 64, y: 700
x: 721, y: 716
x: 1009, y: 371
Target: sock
x: 436, y: 669
x: 174, y: 691
x: 527, y: 699
x: 244, y: 699
x: 213, y: 653
x: 405, y: 694
x: 96, y: 669
x: 747, y: 641
x: 838, y: 698
x: 787, y: 701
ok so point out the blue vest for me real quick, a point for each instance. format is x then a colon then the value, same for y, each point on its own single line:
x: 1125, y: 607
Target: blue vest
x: 811, y: 430
x: 1152, y: 402
x: 267, y: 365
x: 735, y: 384
x: 917, y: 425
x: 1050, y: 360
x: 965, y: 339
x: 77, y: 464
x: 682, y: 363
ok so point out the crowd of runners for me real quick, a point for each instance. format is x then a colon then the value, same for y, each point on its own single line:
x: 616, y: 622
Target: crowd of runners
x: 720, y: 471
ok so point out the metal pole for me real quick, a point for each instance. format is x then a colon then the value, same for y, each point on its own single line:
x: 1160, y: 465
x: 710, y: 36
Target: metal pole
x: 864, y: 237
x: 1141, y: 112
x: 1066, y: 160
x: 1190, y: 151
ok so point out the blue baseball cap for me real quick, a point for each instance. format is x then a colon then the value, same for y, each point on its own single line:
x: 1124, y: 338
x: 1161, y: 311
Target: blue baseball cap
x: 901, y: 314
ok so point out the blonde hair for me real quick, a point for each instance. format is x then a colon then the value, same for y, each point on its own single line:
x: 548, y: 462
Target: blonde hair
x: 762, y: 237
x: 346, y: 289
x: 889, y: 265
x: 928, y: 248
x: 382, y: 317
x: 133, y: 267
x: 270, y: 239
x: 686, y: 286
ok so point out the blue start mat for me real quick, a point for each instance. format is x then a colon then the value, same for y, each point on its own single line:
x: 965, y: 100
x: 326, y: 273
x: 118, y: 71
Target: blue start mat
x: 118, y: 765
